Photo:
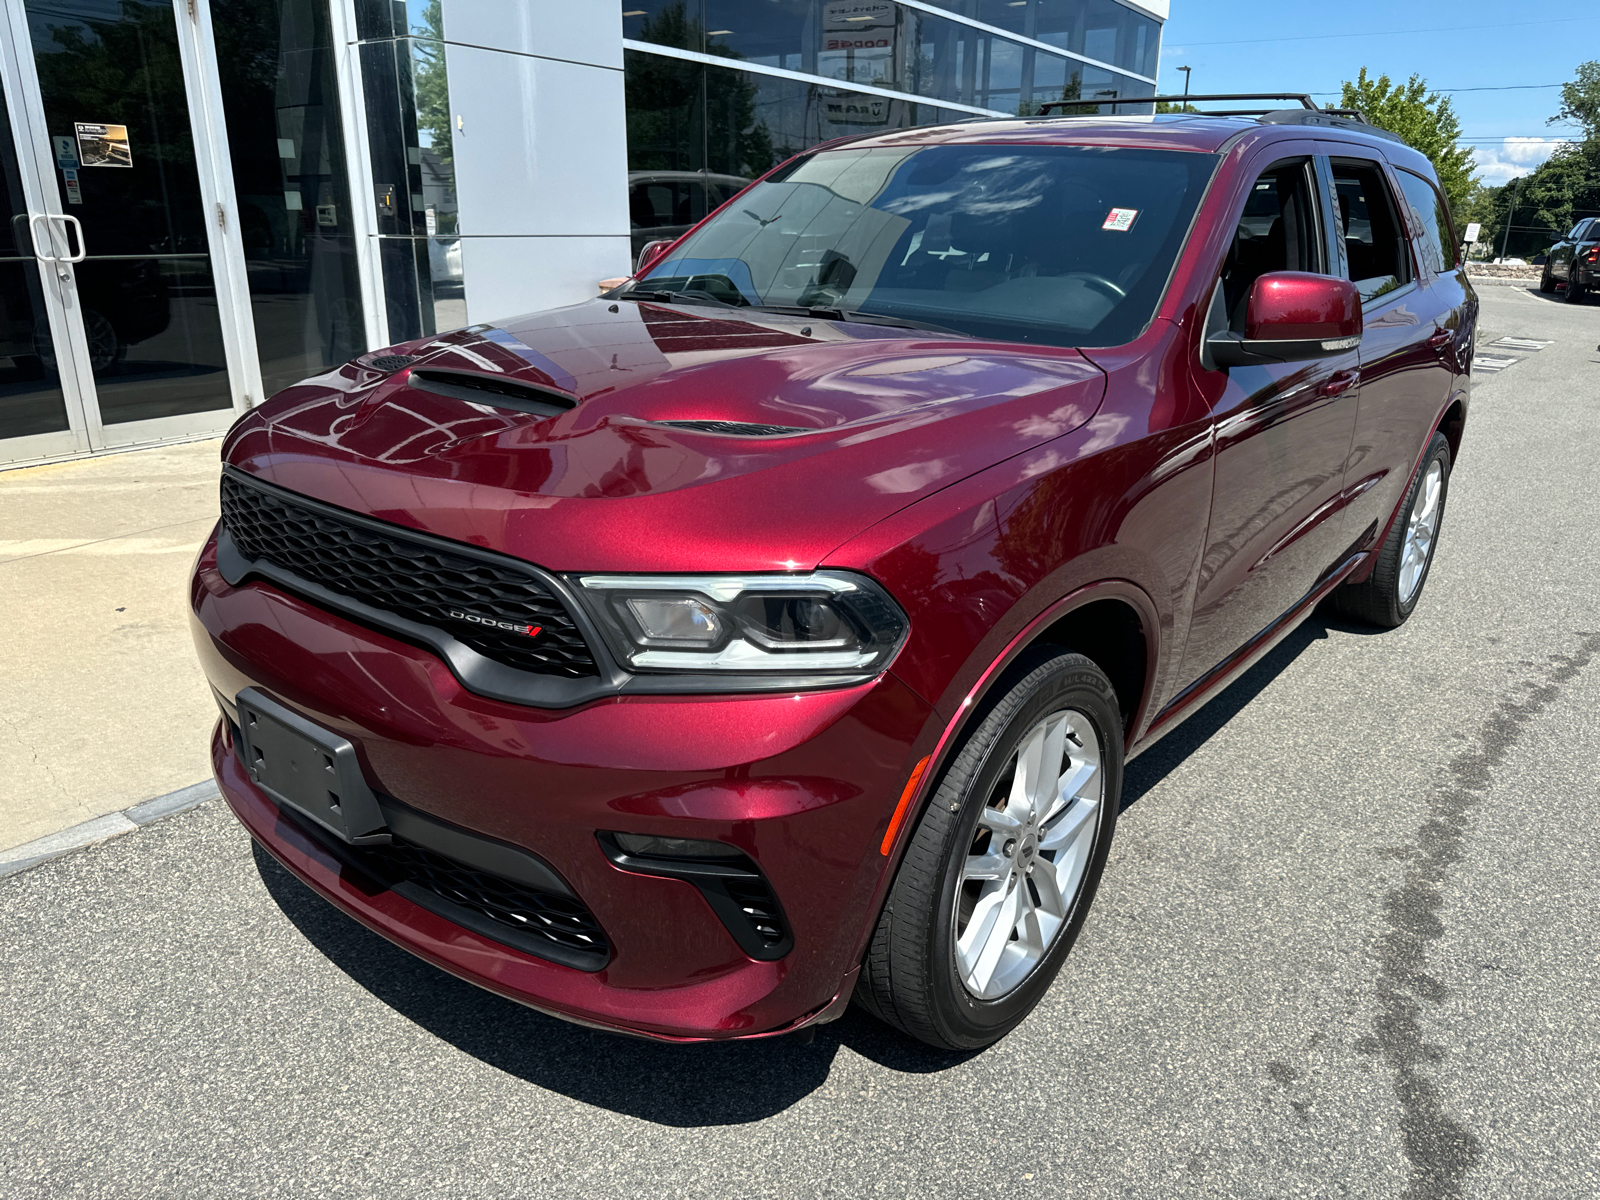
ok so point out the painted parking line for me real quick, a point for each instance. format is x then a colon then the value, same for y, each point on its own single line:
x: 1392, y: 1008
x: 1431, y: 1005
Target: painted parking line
x: 1488, y: 364
x: 1521, y: 343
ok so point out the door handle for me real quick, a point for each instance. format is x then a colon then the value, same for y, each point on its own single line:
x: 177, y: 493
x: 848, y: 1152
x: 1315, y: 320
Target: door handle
x: 1441, y: 338
x: 82, y: 248
x: 33, y: 235
x: 1338, y: 383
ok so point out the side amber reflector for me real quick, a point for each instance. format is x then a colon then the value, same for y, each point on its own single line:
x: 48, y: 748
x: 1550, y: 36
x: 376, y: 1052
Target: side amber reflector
x: 905, y: 803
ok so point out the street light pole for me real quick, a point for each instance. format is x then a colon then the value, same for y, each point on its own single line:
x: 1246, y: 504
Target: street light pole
x: 1185, y: 71
x: 1505, y: 241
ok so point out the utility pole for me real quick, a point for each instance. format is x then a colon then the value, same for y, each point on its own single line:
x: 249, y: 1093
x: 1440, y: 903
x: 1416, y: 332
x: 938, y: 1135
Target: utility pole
x: 1505, y: 241
x: 1185, y: 71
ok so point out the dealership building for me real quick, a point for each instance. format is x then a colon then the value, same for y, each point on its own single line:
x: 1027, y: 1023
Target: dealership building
x: 210, y: 201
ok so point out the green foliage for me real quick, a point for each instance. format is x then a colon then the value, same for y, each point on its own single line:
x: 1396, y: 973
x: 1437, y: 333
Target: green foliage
x: 1550, y: 199
x: 1425, y: 120
x: 1166, y: 106
x: 1580, y: 101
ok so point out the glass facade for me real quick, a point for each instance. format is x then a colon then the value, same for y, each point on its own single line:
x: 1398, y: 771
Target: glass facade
x: 280, y: 95
x: 407, y: 94
x: 902, y: 49
x: 694, y: 130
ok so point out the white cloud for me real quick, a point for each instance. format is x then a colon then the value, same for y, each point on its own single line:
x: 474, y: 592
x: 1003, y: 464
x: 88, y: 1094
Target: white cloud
x: 1500, y: 162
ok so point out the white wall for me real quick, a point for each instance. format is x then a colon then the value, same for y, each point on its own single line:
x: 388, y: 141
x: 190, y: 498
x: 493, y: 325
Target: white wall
x: 541, y: 156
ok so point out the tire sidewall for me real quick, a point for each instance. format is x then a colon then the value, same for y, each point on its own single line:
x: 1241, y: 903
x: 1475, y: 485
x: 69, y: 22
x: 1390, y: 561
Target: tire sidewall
x: 1077, y: 685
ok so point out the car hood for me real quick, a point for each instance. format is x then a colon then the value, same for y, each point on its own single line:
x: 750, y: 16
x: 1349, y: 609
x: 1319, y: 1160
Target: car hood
x: 884, y: 417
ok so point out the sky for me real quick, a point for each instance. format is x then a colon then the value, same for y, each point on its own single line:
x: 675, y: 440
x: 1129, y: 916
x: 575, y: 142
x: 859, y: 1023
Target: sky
x: 1250, y: 46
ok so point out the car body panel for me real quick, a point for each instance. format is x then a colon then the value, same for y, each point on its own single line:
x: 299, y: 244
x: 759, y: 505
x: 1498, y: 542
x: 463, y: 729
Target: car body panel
x: 994, y: 489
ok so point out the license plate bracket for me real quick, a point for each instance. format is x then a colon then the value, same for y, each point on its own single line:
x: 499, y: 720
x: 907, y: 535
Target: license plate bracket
x: 312, y: 770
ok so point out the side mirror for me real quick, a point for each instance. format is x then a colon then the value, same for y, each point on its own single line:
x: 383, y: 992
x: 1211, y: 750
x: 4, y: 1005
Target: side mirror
x: 650, y: 253
x: 1292, y: 316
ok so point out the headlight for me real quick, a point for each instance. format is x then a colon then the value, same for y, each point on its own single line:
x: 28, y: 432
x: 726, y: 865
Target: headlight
x: 828, y: 622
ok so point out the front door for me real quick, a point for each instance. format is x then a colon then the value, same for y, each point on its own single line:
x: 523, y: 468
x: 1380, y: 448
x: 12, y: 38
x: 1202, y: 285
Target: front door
x: 1282, y: 436
x: 122, y: 319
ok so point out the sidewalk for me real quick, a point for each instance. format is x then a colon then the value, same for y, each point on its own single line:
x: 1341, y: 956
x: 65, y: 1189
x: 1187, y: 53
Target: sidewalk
x: 102, y: 704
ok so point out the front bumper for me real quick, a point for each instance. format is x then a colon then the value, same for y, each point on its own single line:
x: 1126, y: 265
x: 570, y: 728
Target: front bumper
x: 802, y: 783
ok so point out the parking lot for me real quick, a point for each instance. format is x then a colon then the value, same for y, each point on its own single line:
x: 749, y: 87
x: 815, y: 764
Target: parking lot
x: 1346, y: 945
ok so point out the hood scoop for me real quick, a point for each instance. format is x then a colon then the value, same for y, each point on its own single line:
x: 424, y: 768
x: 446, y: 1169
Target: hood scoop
x: 738, y: 428
x: 391, y: 362
x: 492, y: 390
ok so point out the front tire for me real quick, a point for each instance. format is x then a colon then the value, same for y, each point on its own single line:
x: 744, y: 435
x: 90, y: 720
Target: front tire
x: 1003, y: 865
x: 1390, y: 594
x: 1547, y: 281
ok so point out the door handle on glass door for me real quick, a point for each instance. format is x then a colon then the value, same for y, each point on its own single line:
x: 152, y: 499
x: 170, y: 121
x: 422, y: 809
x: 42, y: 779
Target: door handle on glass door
x: 1338, y: 383
x: 82, y: 249
x: 33, y: 234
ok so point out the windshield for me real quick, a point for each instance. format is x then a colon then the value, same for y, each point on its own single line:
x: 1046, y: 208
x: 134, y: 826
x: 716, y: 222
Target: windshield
x: 1063, y: 245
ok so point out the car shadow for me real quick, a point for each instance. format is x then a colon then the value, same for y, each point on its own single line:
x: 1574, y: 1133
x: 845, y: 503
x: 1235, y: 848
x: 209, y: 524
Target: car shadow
x: 716, y: 1083
x: 1156, y: 763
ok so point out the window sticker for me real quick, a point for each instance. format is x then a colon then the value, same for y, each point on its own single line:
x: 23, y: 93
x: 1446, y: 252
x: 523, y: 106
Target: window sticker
x: 1120, y: 219
x: 103, y: 145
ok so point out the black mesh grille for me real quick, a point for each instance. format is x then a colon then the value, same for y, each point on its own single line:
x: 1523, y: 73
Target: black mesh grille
x: 558, y: 919
x: 398, y: 574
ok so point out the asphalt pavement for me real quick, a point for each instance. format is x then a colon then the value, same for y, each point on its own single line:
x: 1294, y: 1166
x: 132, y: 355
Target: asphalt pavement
x: 1347, y: 946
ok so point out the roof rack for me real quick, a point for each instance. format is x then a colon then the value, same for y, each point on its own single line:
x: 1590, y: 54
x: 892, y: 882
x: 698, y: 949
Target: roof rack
x: 1309, y: 112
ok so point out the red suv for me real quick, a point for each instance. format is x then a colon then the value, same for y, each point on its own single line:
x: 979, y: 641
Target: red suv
x: 773, y: 631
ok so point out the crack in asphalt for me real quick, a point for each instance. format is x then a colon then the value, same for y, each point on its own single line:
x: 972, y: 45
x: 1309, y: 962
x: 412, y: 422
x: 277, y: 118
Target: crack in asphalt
x: 1440, y: 1149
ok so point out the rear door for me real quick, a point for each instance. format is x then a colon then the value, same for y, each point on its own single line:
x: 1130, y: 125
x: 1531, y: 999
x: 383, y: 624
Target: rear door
x: 1417, y: 338
x: 1282, y: 433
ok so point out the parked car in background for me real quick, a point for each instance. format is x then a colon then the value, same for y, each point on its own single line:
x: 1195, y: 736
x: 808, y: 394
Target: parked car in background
x: 773, y: 630
x: 1575, y: 259
x: 666, y: 204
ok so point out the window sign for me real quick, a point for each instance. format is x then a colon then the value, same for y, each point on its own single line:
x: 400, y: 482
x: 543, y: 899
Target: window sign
x: 103, y: 145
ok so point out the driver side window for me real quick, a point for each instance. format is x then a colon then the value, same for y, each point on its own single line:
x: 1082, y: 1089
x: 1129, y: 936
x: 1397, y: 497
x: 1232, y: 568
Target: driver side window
x: 1277, y: 232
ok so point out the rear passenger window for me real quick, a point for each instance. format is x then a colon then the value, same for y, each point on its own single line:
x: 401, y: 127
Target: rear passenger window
x: 1374, y: 245
x: 1438, y: 240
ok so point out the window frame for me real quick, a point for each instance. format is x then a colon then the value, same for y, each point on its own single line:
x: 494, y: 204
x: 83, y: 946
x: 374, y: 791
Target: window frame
x: 1381, y: 168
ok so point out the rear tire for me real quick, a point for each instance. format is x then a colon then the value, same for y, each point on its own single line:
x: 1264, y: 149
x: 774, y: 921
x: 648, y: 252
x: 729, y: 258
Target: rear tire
x: 1002, y: 866
x: 1390, y: 594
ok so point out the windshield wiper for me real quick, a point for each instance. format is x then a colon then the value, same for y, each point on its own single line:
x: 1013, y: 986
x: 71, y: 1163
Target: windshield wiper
x: 693, y: 295
x: 857, y: 315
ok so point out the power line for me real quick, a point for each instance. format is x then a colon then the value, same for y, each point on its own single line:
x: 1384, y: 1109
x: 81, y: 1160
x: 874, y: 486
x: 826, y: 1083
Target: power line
x: 1318, y: 37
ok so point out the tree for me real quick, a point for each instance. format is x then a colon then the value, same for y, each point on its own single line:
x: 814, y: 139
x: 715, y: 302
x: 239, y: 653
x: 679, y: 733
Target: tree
x: 1425, y: 120
x: 1580, y: 101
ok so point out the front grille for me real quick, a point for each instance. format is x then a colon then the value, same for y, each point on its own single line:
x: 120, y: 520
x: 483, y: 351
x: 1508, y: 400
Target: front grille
x: 403, y: 575
x: 533, y: 914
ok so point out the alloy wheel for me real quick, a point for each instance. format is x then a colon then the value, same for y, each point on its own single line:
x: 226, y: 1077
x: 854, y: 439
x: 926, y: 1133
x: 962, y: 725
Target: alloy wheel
x: 1029, y: 854
x: 1421, y: 526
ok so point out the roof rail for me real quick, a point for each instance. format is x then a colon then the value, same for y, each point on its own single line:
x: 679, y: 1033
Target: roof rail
x: 1309, y: 113
x: 1304, y: 101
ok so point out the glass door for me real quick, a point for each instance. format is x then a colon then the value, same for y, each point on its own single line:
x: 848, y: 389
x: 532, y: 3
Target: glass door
x: 41, y: 414
x: 138, y: 228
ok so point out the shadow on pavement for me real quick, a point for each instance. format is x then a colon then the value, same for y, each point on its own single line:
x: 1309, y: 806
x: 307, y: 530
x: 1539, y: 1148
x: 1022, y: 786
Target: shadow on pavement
x: 1156, y: 763
x: 727, y: 1083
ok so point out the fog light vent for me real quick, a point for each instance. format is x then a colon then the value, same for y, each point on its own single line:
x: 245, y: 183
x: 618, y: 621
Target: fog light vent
x: 728, y: 878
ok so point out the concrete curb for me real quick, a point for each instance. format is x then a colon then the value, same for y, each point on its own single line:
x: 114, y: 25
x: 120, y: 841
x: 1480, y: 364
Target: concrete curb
x: 76, y: 837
